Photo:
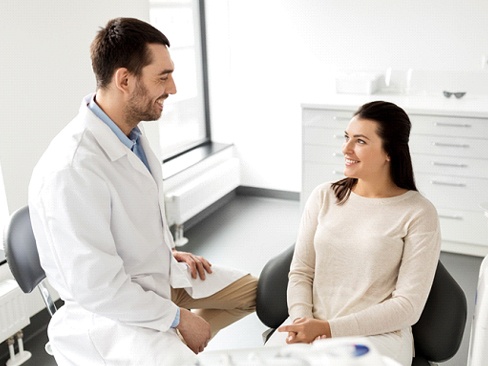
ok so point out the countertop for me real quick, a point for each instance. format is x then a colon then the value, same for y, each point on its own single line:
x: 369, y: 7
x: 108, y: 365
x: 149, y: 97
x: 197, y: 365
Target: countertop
x: 420, y: 103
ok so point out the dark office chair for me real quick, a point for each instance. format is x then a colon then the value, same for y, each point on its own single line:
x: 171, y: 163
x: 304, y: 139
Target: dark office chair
x: 437, y: 334
x: 23, y: 258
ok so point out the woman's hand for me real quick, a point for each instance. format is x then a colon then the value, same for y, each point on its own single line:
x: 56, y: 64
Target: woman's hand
x: 198, y: 265
x: 306, y: 330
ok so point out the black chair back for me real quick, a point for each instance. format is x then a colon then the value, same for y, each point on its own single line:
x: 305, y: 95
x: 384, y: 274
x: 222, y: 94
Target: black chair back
x: 271, y: 304
x: 439, y: 332
x: 23, y: 257
x: 21, y: 251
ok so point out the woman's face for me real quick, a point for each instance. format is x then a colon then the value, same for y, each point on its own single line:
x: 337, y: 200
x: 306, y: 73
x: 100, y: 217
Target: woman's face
x: 363, y: 151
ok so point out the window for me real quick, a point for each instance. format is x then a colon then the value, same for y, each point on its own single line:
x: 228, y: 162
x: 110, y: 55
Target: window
x: 185, y: 120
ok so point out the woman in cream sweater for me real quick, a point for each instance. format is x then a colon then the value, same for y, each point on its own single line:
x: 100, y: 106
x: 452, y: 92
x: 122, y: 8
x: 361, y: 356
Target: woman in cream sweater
x: 368, y: 245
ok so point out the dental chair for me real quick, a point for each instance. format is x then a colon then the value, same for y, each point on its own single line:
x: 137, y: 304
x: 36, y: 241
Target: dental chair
x: 23, y: 258
x: 437, y: 334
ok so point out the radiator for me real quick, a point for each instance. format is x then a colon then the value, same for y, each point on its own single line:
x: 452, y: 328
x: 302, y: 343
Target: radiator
x: 189, y: 198
x: 13, y: 312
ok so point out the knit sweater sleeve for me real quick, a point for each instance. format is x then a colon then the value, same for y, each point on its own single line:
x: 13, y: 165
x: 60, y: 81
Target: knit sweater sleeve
x: 302, y: 270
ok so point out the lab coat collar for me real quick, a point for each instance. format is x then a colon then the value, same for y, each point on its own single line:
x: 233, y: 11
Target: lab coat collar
x: 112, y: 146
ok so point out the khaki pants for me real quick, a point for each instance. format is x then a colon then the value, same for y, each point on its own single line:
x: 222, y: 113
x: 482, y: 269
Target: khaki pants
x: 223, y: 308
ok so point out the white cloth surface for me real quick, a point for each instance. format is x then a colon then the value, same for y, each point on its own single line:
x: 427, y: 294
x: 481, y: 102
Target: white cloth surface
x: 220, y: 278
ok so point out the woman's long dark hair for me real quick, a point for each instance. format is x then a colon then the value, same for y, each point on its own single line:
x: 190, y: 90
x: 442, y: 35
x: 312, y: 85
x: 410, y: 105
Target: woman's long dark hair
x: 394, y: 130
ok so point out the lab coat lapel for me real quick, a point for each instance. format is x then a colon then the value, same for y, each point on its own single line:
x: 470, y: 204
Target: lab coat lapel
x: 152, y: 159
x: 179, y: 276
x: 156, y: 170
x: 110, y: 143
x: 107, y: 140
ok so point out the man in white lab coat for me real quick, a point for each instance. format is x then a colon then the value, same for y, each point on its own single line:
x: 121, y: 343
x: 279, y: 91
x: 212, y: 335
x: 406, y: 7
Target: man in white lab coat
x: 97, y: 209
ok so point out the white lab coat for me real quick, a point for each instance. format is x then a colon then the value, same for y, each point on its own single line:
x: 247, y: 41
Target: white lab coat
x: 98, y: 218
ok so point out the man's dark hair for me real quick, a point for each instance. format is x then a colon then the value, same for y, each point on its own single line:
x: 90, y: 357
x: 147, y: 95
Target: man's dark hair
x: 123, y: 43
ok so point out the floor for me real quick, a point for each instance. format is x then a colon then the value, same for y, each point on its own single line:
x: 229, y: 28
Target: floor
x: 246, y: 233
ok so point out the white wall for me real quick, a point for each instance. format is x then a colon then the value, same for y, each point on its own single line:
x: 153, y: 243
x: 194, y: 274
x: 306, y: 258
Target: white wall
x: 265, y: 58
x: 268, y: 56
x: 45, y: 71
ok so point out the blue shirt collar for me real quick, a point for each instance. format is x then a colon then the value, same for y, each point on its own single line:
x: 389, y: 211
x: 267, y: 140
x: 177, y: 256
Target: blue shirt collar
x: 127, y: 141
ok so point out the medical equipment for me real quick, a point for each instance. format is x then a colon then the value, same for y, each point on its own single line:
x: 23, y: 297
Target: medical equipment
x: 340, y: 351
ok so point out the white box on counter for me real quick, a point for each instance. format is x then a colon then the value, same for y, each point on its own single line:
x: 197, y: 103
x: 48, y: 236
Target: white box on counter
x: 358, y: 82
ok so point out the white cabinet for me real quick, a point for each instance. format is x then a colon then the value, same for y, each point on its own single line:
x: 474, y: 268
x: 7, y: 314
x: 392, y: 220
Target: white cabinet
x: 450, y: 161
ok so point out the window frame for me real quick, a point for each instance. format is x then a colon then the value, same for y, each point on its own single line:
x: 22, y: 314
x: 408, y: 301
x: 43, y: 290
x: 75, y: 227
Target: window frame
x: 198, y: 5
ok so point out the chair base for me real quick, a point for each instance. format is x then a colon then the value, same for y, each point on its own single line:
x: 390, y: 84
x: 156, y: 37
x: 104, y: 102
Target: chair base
x: 19, y: 358
x: 420, y: 361
x: 267, y: 334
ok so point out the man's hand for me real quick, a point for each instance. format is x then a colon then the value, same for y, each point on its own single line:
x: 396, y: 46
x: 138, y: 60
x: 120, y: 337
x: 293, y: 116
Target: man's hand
x: 198, y: 265
x: 194, y: 330
x: 306, y: 330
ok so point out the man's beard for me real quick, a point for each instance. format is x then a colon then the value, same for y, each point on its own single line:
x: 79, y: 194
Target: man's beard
x: 140, y: 107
